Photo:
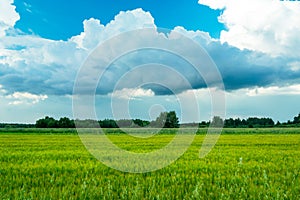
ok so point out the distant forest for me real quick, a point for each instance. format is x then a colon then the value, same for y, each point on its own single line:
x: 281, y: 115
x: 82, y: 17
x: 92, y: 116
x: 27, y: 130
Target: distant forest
x: 165, y: 119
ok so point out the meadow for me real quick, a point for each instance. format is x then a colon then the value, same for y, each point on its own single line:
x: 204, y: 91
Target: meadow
x: 244, y: 164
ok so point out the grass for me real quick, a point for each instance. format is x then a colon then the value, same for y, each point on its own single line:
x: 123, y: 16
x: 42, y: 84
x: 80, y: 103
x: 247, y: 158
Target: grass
x: 201, y: 131
x: 252, y: 165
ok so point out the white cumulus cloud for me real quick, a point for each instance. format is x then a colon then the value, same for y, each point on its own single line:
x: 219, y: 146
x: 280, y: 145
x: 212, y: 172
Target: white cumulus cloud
x: 214, y: 4
x: 18, y: 98
x: 132, y: 93
x: 291, y: 90
x: 2, y: 91
x: 269, y: 26
x: 295, y: 66
x: 274, y: 90
x: 8, y: 15
x: 94, y: 32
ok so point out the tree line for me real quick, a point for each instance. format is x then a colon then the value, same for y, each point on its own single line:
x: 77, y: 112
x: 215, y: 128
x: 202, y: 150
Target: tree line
x: 251, y: 122
x: 165, y: 120
x: 15, y: 125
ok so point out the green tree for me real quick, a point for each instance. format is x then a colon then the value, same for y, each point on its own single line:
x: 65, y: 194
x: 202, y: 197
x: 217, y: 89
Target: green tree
x: 217, y: 121
x: 166, y: 120
x: 160, y: 120
x: 108, y: 123
x: 124, y: 123
x: 41, y: 123
x: 140, y: 123
x: 297, y: 119
x: 172, y: 120
x: 65, y: 122
x: 47, y: 122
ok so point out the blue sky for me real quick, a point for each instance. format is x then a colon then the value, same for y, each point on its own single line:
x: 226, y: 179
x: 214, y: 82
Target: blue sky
x: 45, y: 44
x: 58, y: 19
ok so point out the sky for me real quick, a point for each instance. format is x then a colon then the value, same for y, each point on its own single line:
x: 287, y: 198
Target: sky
x: 248, y: 51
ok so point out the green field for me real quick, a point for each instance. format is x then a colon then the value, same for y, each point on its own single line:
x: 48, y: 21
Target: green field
x: 245, y: 164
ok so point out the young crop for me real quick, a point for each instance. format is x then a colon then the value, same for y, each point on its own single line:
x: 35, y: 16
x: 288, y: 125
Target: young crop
x: 241, y: 166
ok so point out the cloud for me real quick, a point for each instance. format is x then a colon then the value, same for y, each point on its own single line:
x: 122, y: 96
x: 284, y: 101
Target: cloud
x: 19, y: 98
x: 214, y: 4
x: 32, y: 64
x: 2, y: 91
x: 8, y: 16
x: 36, y: 65
x: 294, y: 66
x: 91, y: 35
x: 28, y: 7
x: 94, y: 32
x: 267, y: 26
x: 245, y: 68
x: 274, y: 90
x: 132, y: 93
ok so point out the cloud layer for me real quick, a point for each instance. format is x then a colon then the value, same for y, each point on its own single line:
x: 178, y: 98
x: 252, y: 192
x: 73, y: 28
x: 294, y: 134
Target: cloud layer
x: 33, y: 65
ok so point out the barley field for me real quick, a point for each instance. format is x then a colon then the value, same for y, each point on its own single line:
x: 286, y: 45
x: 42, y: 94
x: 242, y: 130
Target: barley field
x: 244, y: 164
